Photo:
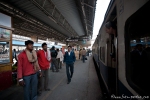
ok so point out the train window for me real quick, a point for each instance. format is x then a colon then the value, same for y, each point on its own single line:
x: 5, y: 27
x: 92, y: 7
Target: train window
x: 100, y: 50
x: 137, y: 37
x: 102, y: 54
x: 97, y: 51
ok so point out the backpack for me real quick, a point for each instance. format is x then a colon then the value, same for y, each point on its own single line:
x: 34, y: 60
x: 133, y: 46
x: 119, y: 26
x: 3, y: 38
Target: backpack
x: 53, y: 53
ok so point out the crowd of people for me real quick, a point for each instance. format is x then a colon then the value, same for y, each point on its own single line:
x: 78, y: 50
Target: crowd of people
x: 33, y: 67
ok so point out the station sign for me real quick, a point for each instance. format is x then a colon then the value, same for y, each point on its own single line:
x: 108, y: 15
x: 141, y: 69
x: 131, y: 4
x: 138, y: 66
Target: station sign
x: 78, y: 39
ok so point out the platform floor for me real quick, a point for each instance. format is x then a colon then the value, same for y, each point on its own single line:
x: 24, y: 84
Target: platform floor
x: 84, y: 85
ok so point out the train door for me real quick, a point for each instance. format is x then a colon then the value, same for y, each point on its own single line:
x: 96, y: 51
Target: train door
x: 112, y: 56
x: 112, y: 47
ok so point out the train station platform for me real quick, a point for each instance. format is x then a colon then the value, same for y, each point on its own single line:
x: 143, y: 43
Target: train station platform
x: 84, y: 85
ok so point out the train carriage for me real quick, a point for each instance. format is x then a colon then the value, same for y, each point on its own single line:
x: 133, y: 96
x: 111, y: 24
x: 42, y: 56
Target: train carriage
x: 127, y: 76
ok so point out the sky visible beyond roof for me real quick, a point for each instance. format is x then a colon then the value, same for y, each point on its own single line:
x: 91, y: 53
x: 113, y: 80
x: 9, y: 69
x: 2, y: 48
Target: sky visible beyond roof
x: 100, y: 11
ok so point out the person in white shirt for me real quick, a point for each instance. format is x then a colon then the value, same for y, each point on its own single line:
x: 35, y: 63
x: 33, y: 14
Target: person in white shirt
x: 49, y: 57
x: 76, y: 54
x: 60, y: 58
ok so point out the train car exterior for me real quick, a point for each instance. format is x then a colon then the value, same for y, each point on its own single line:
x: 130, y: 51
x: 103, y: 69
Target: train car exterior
x: 126, y: 76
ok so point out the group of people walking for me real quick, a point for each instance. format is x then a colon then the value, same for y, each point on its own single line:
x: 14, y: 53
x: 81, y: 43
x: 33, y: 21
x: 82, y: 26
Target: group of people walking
x: 33, y: 68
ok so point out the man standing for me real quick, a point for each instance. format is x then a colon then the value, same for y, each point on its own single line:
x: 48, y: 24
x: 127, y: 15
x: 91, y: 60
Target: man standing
x: 14, y: 55
x: 69, y: 58
x: 44, y: 62
x: 60, y: 58
x: 83, y: 53
x: 54, y: 61
x: 27, y: 68
x: 80, y: 54
x: 49, y: 57
x: 76, y: 54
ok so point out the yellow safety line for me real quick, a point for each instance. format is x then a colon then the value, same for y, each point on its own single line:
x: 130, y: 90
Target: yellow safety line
x: 45, y: 97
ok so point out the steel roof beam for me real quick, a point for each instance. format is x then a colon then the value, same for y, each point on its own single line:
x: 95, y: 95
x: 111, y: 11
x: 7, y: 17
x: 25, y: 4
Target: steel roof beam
x: 87, y: 5
x: 19, y: 14
x: 32, y: 27
x: 52, y: 15
x: 87, y: 11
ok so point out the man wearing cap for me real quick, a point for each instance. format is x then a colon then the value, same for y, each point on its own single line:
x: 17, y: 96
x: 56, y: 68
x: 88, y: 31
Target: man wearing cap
x: 27, y: 71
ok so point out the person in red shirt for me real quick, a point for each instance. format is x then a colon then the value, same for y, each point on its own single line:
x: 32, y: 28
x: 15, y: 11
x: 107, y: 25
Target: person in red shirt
x: 27, y: 71
x: 44, y: 63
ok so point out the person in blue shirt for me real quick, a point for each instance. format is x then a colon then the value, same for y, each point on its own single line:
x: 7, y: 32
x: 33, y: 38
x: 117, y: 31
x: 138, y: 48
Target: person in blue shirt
x: 69, y: 59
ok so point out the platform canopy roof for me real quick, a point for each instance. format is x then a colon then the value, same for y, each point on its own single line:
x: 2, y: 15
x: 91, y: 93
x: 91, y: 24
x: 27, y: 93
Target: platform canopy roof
x: 51, y: 19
